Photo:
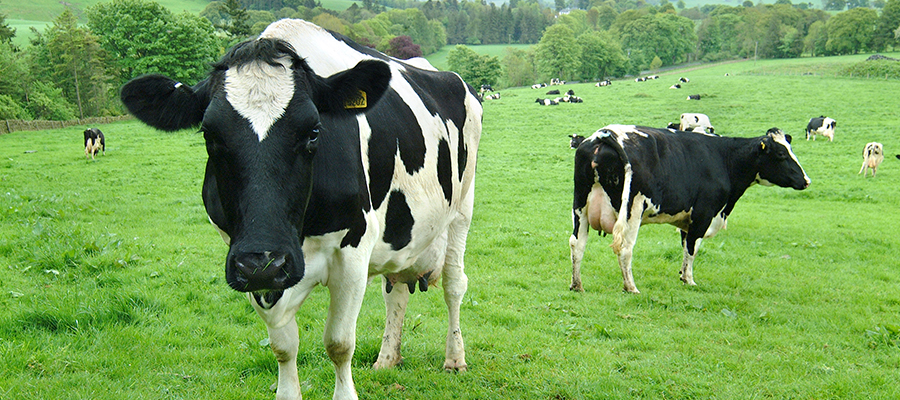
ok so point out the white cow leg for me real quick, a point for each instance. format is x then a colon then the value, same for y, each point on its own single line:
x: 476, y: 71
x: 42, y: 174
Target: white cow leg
x: 687, y: 264
x: 346, y: 287
x: 395, y: 311
x: 629, y: 238
x: 455, y: 285
x: 284, y: 342
x: 577, y: 244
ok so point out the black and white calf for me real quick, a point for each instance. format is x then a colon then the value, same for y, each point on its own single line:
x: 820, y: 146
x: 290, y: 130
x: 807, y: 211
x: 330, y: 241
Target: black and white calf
x: 94, y: 142
x: 330, y: 163
x: 627, y: 176
x: 575, y: 140
x: 820, y: 126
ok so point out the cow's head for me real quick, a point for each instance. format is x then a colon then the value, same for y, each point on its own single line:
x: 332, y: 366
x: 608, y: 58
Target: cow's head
x: 260, y: 111
x: 777, y: 164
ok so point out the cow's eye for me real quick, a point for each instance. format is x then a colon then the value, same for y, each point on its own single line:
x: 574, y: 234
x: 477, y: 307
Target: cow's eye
x: 313, y: 142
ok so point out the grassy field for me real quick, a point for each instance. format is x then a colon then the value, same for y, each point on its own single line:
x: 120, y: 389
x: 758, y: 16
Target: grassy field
x: 112, y: 284
x: 439, y: 58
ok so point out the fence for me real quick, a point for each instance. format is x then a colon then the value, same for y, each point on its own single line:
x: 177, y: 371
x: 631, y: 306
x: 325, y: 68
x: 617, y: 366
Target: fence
x: 14, y: 125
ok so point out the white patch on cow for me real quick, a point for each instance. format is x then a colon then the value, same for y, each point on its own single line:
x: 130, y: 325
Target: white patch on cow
x: 421, y: 63
x: 782, y: 140
x: 260, y: 92
x: 225, y: 237
x: 718, y: 223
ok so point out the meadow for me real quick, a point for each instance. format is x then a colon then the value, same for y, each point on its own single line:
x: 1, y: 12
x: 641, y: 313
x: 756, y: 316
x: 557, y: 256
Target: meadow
x: 112, y: 281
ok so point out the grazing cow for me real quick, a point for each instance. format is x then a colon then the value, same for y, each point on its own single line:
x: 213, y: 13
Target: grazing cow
x: 627, y: 176
x: 683, y: 80
x: 486, y: 88
x: 675, y: 86
x: 605, y: 82
x: 694, y: 97
x: 696, y: 123
x: 330, y: 163
x: 94, y: 141
x: 554, y: 91
x: 821, y: 125
x: 576, y: 140
x: 546, y: 102
x: 873, y: 155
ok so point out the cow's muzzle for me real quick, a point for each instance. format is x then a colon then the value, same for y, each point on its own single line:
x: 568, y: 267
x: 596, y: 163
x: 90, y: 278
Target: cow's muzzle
x: 255, y: 271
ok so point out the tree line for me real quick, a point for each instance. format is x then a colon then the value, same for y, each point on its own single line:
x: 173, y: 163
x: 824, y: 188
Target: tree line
x: 73, y: 68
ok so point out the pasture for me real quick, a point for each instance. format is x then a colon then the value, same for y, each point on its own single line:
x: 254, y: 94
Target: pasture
x: 113, y: 285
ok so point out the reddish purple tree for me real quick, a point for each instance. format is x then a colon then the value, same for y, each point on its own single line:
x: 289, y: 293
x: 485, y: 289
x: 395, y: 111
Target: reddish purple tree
x: 403, y: 48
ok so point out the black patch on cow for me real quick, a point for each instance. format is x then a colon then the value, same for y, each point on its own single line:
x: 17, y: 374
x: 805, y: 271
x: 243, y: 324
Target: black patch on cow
x: 398, y: 222
x: 267, y: 300
x: 389, y: 136
x: 444, y: 169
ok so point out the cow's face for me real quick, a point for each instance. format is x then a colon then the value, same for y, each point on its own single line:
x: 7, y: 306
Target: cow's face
x: 259, y: 112
x: 777, y: 163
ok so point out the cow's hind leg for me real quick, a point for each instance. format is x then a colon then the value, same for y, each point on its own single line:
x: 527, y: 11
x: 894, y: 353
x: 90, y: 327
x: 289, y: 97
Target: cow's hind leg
x: 456, y: 283
x: 577, y: 244
x: 395, y: 311
x: 690, y: 244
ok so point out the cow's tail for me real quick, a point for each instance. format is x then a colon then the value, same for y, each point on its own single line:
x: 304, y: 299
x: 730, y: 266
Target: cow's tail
x: 608, y: 137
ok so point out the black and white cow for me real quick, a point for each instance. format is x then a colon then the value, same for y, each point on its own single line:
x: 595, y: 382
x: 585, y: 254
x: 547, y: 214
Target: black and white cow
x: 330, y: 163
x: 627, y: 176
x: 693, y: 97
x: 696, y: 123
x: 820, y: 126
x: 546, y: 102
x: 94, y: 142
x: 683, y: 80
x: 605, y: 82
x: 576, y: 140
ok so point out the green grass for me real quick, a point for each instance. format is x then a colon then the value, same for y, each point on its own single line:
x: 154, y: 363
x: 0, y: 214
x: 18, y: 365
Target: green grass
x: 112, y: 284
x: 439, y: 58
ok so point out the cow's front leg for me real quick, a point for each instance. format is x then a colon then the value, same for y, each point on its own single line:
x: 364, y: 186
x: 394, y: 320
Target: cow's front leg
x: 395, y: 310
x: 346, y: 286
x: 281, y: 325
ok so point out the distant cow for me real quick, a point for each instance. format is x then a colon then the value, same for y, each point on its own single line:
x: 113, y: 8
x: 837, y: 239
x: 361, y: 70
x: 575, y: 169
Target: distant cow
x: 653, y: 77
x: 694, y: 97
x: 557, y: 81
x: 546, y: 102
x: 94, y: 142
x: 493, y: 96
x: 554, y: 91
x: 570, y: 92
x: 675, y: 86
x: 873, y: 155
x: 627, y: 176
x: 486, y: 88
x: 576, y: 140
x: 538, y: 85
x: 640, y: 79
x: 821, y: 125
x: 605, y: 82
x: 683, y: 80
x: 696, y: 123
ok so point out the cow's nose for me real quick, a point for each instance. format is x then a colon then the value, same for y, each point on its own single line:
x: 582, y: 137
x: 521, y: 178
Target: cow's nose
x: 254, y: 271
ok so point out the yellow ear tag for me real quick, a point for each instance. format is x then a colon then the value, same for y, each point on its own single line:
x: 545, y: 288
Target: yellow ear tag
x: 357, y: 102
x: 763, y: 145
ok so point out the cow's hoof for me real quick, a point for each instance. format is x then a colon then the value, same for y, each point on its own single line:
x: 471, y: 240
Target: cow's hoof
x: 455, y: 366
x: 632, y: 290
x: 386, y: 364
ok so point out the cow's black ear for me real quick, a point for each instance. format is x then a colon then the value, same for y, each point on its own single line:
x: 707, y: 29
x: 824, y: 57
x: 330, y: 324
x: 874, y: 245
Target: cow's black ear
x: 354, y: 90
x: 788, y: 138
x: 165, y: 104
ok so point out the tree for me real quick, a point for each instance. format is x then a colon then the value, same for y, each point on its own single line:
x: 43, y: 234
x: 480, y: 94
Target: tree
x: 6, y: 33
x: 834, y: 5
x: 557, y: 55
x: 237, y: 27
x: 71, y: 59
x: 519, y: 67
x: 475, y: 69
x: 668, y: 36
x: 403, y: 48
x: 601, y: 56
x: 887, y: 23
x: 816, y: 38
x: 141, y: 37
x: 851, y: 31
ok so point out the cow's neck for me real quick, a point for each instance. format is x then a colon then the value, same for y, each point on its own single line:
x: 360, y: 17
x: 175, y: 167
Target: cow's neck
x: 741, y: 158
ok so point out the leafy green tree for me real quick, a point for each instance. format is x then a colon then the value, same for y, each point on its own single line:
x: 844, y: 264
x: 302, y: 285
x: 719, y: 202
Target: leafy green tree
x: 557, y: 55
x: 668, y: 36
x: 71, y: 58
x: 816, y: 39
x: 13, y: 73
x: 48, y: 102
x: 238, y: 24
x: 834, y: 5
x: 519, y: 68
x: 601, y: 56
x: 475, y: 69
x: 144, y: 37
x: 851, y: 31
x: 888, y: 22
x: 10, y: 109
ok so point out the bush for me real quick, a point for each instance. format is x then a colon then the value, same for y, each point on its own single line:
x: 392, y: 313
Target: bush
x: 875, y: 68
x: 48, y: 102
